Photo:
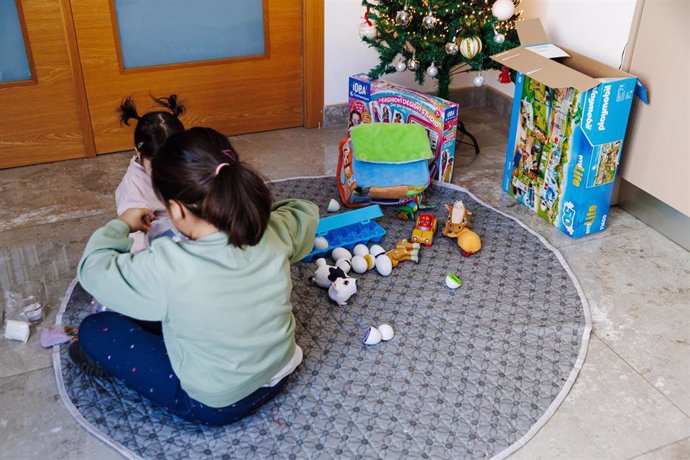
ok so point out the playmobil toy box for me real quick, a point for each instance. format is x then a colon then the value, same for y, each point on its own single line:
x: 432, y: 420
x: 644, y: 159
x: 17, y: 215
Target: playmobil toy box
x: 377, y: 101
x: 568, y: 124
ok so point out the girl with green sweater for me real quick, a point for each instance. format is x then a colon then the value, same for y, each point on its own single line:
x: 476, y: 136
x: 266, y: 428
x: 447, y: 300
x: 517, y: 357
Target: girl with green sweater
x: 204, y: 327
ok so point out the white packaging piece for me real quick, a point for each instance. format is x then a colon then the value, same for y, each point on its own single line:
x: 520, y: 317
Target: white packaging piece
x: 17, y: 330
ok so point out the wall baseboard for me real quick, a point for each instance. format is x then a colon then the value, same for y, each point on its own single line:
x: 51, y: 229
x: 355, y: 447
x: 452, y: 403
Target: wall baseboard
x: 666, y: 220
x: 335, y: 116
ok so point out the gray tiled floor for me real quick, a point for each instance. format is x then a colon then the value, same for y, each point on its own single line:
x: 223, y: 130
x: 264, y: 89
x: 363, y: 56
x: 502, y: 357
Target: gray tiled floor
x: 632, y: 397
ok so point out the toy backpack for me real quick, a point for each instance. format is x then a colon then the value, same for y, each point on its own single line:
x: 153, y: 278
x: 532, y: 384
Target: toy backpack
x: 383, y: 163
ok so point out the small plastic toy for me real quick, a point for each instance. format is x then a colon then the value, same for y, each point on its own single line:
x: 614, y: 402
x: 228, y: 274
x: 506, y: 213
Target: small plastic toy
x: 406, y: 211
x: 383, y: 263
x: 340, y: 286
x: 348, y: 229
x: 325, y: 274
x: 363, y: 261
x: 452, y: 281
x: 372, y: 336
x: 56, y: 335
x: 333, y: 206
x: 424, y: 230
x: 386, y: 331
x: 404, y: 251
x: 458, y: 226
x: 342, y: 289
x: 360, y: 250
x: 340, y: 253
x: 320, y: 243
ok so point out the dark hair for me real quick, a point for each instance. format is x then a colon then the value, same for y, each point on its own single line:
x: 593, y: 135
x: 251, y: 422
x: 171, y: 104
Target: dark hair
x: 232, y: 197
x: 153, y: 128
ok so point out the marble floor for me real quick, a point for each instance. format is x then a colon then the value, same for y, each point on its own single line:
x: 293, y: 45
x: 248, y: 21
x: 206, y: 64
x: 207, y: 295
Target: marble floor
x: 631, y: 400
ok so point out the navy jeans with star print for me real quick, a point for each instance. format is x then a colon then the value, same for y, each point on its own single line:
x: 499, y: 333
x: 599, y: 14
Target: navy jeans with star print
x: 134, y: 352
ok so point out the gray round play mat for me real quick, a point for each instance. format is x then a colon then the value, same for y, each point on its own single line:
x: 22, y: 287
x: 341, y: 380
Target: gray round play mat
x: 471, y: 373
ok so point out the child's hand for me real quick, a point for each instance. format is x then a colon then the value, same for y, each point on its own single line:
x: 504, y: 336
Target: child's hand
x: 137, y: 219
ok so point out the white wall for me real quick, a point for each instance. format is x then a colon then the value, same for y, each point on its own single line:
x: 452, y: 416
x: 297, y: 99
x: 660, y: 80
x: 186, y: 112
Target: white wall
x: 596, y: 28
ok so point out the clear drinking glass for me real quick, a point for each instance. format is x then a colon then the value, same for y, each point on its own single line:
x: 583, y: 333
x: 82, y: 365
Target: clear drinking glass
x: 25, y: 302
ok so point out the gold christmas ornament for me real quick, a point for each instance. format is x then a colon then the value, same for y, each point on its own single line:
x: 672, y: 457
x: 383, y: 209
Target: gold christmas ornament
x: 470, y: 47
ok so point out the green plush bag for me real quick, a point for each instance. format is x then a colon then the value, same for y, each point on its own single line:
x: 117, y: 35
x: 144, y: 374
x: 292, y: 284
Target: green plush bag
x: 385, y: 163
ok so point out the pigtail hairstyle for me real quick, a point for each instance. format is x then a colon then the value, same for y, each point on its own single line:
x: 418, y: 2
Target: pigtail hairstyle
x: 200, y: 169
x: 127, y: 111
x: 152, y: 128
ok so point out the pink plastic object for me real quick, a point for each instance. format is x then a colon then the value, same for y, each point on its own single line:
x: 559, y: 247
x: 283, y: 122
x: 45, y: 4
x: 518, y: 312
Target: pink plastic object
x: 55, y: 335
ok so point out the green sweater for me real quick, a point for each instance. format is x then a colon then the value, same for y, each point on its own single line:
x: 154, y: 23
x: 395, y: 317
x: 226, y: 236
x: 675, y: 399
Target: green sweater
x: 226, y: 314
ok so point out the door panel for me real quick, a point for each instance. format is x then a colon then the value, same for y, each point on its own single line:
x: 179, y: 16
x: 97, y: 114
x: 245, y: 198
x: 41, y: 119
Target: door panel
x: 39, y: 118
x: 238, y: 95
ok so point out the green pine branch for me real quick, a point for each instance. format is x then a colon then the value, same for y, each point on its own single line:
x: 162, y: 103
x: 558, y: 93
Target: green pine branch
x: 457, y: 20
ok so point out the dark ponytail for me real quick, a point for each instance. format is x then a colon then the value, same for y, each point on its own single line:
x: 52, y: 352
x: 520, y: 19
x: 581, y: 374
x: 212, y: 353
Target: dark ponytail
x: 200, y: 169
x: 128, y: 111
x: 170, y: 103
x: 152, y: 128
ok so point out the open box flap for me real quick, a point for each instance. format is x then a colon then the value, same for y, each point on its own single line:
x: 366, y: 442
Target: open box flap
x: 544, y: 70
x: 530, y: 32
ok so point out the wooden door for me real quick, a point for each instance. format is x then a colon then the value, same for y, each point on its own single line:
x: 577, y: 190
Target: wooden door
x: 41, y: 116
x: 251, y: 93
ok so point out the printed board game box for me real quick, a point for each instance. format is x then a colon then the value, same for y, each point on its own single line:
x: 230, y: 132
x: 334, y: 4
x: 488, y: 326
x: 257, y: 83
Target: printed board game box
x: 377, y: 101
x: 567, y: 128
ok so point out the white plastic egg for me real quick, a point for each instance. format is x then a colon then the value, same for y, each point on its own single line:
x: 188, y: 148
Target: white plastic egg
x: 320, y: 243
x: 360, y: 250
x: 384, y: 265
x: 344, y: 264
x: 375, y: 250
x: 341, y: 253
x: 453, y: 282
x: 333, y: 206
x: 372, y: 336
x: 386, y: 332
x: 359, y: 264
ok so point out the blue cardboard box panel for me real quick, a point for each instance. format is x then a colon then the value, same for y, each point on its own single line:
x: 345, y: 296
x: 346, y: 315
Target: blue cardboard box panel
x: 567, y: 129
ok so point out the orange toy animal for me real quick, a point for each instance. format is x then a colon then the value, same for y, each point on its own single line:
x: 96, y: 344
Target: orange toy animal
x: 458, y: 226
x: 404, y: 251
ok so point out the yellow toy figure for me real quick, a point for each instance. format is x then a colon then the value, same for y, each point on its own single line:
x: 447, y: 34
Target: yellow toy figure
x: 404, y: 251
x: 458, y: 226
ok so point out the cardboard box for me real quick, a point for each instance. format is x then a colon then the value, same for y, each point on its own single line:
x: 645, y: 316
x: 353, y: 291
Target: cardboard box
x: 567, y: 128
x: 378, y: 101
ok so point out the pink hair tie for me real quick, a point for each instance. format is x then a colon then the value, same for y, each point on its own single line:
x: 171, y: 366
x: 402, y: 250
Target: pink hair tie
x: 221, y: 166
x: 230, y: 154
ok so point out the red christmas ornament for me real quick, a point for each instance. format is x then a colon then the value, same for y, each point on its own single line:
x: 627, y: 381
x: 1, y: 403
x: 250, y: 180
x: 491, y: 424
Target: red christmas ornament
x: 504, y: 77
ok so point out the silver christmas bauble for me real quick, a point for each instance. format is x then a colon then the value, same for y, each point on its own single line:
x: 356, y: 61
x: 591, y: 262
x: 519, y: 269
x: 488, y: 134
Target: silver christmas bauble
x: 478, y: 80
x: 432, y: 70
x: 403, y: 18
x: 413, y: 64
x: 429, y: 21
x: 499, y: 38
x: 400, y: 66
x: 452, y: 48
x: 367, y: 31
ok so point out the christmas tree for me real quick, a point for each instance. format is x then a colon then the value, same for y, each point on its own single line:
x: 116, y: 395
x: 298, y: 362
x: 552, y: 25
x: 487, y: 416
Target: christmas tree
x: 439, y: 38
